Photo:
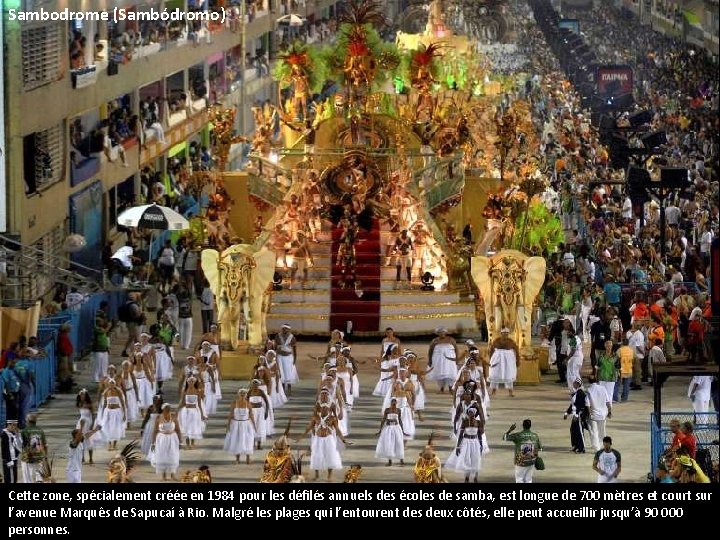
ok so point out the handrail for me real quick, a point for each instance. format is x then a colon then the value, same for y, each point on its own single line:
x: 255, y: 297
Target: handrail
x: 41, y: 254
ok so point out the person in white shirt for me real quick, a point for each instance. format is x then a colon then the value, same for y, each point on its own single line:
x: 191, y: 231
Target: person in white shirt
x: 207, y: 307
x: 600, y: 410
x: 74, y: 299
x: 656, y: 355
x: 607, y: 463
x: 699, y: 393
x: 672, y: 215
x: 706, y: 239
x: 636, y: 341
x: 76, y: 449
x: 627, y: 208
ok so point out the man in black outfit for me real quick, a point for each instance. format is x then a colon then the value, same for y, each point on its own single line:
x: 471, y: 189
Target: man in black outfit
x: 10, y: 448
x: 555, y: 336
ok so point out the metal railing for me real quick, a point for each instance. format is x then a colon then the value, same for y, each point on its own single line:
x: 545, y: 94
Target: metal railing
x: 705, y: 429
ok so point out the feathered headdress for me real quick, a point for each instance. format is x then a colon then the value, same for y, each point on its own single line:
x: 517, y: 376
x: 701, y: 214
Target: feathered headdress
x: 425, y: 55
x: 296, y: 55
x: 362, y: 12
x: 297, y: 476
x: 122, y: 464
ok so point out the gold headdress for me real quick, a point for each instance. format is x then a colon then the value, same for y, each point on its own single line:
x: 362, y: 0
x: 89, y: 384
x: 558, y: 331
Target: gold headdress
x: 200, y: 476
x: 352, y: 474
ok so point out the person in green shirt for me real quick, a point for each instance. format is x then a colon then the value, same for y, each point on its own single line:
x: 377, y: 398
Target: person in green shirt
x: 527, y: 447
x: 608, y: 368
x: 100, y: 349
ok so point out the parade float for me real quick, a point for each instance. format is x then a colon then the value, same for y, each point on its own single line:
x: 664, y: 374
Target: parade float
x: 368, y: 139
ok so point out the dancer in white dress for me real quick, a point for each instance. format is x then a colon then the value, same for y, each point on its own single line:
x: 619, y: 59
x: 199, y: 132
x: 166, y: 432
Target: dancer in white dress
x: 286, y: 347
x: 114, y: 416
x: 145, y: 380
x: 163, y: 364
x: 212, y: 360
x: 574, y: 360
x: 167, y: 443
x: 324, y: 454
x: 470, y: 400
x: 240, y: 436
x: 260, y: 409
x: 207, y: 376
x: 190, y: 416
x: 278, y: 397
x: 130, y: 388
x: 262, y: 373
x: 404, y: 395
x: 389, y: 341
x: 83, y: 402
x: 388, y: 366
x: 504, y: 358
x: 391, y: 437
x: 147, y: 429
x: 467, y: 456
x: 344, y: 374
x: 346, y: 353
x: 443, y: 353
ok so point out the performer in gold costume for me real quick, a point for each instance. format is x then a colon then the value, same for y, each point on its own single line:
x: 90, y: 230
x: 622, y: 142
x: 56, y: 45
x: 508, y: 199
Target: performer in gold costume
x: 428, y: 467
x: 280, y: 467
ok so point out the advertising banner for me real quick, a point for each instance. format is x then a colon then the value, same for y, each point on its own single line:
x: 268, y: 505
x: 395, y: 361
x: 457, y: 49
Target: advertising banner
x: 614, y: 80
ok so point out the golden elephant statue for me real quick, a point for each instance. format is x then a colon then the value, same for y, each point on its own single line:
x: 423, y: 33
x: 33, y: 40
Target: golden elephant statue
x: 509, y: 282
x: 239, y: 277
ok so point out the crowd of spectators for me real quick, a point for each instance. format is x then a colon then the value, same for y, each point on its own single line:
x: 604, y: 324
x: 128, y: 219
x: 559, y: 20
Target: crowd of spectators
x: 610, y: 281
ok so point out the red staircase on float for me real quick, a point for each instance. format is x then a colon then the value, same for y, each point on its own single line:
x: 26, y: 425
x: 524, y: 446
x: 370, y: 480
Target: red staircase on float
x: 345, y: 305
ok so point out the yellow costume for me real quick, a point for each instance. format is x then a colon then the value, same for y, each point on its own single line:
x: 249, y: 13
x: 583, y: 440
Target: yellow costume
x: 278, y: 468
x: 427, y: 469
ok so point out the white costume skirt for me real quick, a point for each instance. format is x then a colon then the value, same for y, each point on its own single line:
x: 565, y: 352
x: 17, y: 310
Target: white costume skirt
x: 419, y: 395
x: 470, y: 458
x: 344, y: 423
x: 113, y: 425
x: 147, y: 436
x: 167, y: 453
x: 408, y: 422
x: 191, y: 423
x: 324, y: 453
x: 131, y: 402
x: 163, y: 365
x: 503, y: 367
x: 145, y: 391
x: 240, y: 438
x: 278, y: 397
x: 270, y: 422
x: 443, y: 361
x: 210, y: 400
x: 288, y: 371
x: 97, y: 439
x: 356, y: 387
x: 390, y: 444
x: 260, y: 424
x: 218, y: 390
x: 383, y: 386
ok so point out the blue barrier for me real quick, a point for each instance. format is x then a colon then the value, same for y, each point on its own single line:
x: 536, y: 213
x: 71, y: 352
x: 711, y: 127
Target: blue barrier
x: 82, y: 327
x: 45, y: 369
x: 82, y: 319
x: 705, y: 429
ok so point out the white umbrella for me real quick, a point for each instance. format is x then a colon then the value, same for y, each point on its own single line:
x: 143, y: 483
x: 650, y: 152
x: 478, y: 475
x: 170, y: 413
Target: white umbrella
x: 154, y: 217
x: 291, y: 20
